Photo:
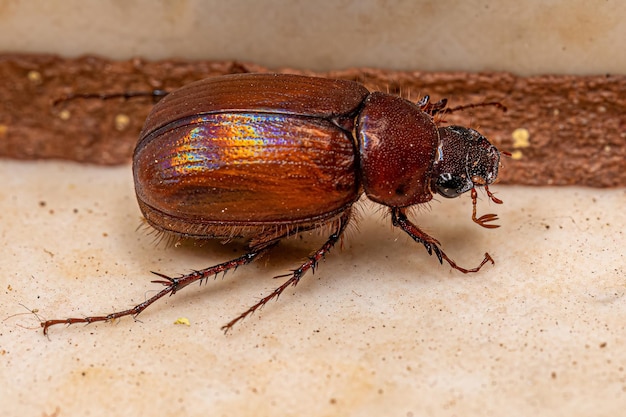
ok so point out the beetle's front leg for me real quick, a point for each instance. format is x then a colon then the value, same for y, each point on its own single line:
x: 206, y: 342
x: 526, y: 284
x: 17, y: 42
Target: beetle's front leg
x: 399, y: 219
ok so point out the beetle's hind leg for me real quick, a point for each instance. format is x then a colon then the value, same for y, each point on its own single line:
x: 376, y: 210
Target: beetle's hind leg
x: 172, y: 285
x: 295, y: 276
x: 399, y: 219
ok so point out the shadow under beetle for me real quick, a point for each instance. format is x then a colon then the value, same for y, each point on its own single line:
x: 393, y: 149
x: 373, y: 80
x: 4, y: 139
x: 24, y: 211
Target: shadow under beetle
x: 265, y: 156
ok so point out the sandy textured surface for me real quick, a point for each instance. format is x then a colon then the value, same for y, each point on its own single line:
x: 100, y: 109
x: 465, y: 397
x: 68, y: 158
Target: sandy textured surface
x: 380, y: 329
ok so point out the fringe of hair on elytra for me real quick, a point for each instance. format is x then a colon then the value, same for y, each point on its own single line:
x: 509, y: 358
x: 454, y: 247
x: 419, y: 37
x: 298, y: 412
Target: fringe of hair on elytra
x: 254, y: 235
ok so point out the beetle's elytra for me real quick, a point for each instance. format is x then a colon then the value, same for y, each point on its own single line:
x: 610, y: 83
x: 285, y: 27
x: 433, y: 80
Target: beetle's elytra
x: 265, y: 156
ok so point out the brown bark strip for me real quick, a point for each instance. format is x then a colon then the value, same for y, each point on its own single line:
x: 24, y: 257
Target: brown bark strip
x: 567, y: 129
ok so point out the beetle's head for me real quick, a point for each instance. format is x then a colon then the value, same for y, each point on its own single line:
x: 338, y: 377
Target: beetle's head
x: 465, y: 159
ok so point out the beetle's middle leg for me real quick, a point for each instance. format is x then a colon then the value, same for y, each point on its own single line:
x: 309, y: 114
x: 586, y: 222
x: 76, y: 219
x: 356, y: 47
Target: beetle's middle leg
x: 295, y: 276
x: 399, y: 219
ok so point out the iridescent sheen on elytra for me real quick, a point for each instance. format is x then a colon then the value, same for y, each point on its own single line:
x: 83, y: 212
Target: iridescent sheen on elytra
x: 247, y: 167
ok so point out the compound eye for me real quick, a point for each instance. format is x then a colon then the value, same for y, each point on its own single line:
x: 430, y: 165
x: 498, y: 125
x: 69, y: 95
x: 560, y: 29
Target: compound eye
x: 449, y: 185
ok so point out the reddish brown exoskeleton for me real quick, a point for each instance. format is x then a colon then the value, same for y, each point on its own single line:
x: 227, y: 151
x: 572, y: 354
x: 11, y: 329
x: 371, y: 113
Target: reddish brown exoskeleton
x: 265, y: 156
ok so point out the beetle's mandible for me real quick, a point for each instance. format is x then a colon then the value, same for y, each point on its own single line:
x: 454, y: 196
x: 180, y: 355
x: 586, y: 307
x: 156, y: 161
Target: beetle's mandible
x: 265, y: 156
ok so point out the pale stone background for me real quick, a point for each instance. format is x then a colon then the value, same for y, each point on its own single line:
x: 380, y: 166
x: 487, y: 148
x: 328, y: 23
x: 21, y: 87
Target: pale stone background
x: 530, y: 37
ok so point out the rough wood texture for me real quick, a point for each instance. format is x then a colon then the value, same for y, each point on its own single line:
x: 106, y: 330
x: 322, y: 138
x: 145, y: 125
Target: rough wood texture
x: 561, y: 129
